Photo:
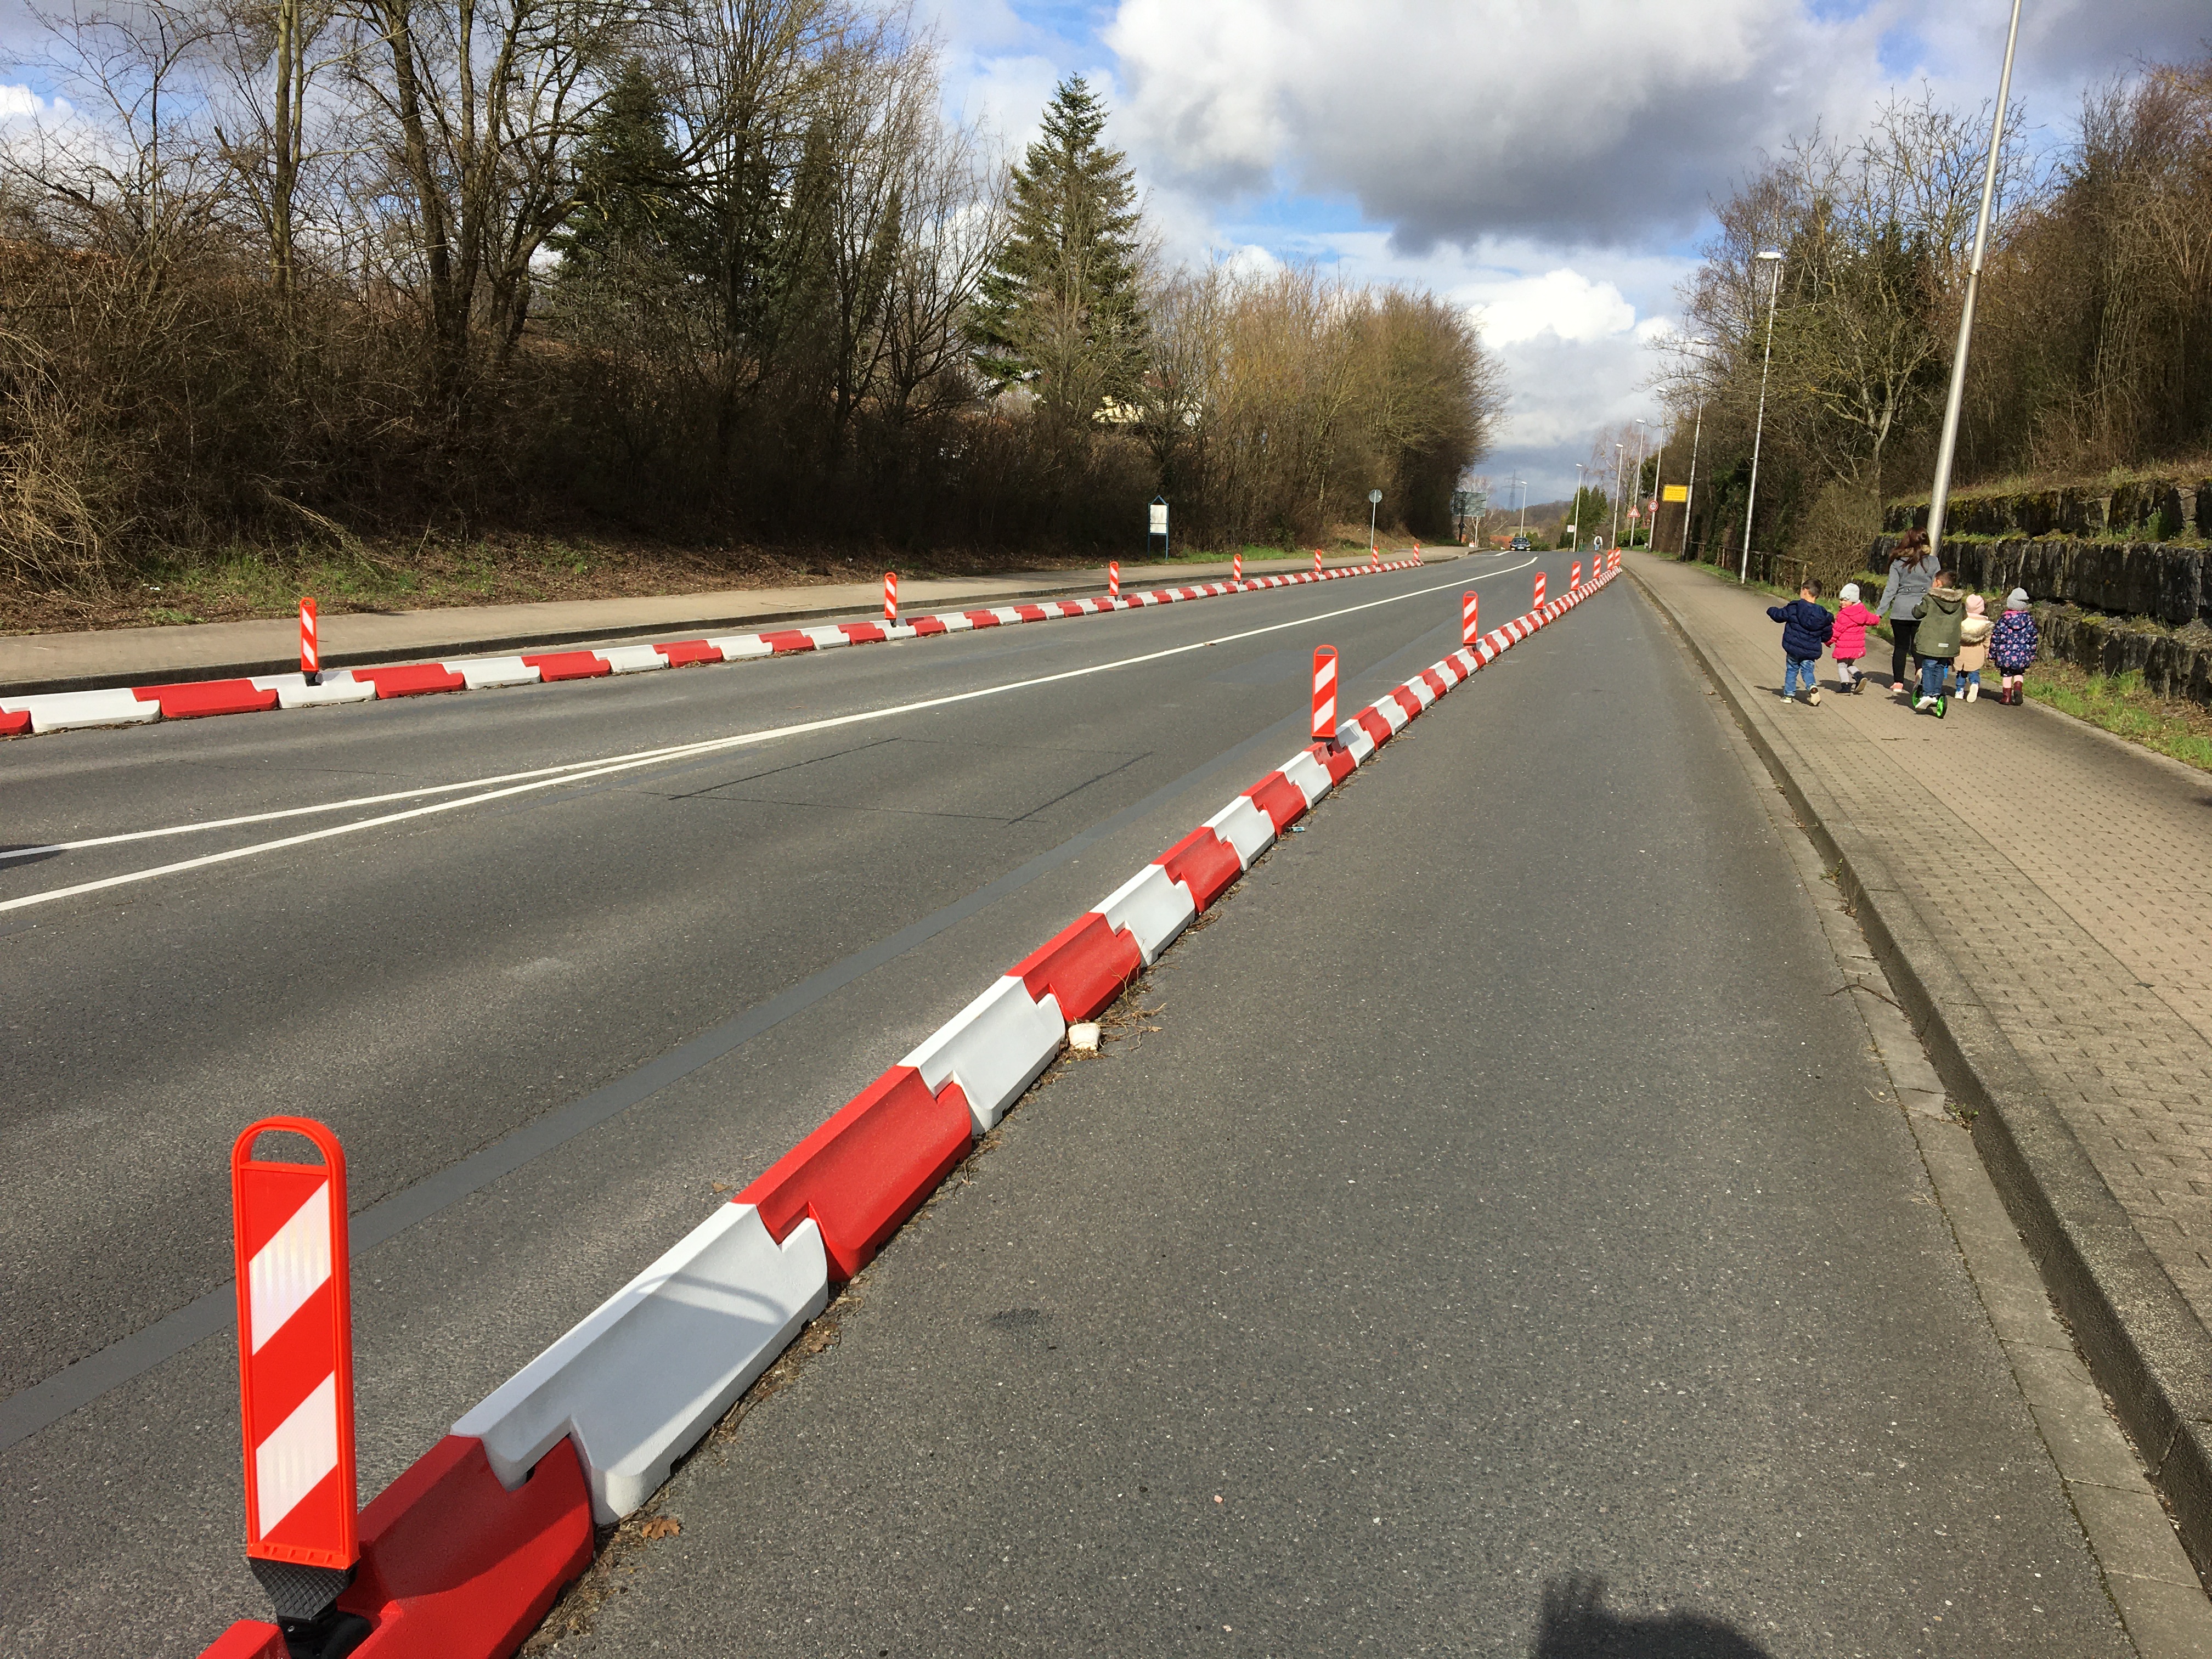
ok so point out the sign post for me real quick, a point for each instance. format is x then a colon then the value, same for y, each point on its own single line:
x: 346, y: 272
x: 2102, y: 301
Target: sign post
x: 1158, y: 525
x: 1374, y: 502
x: 295, y: 1376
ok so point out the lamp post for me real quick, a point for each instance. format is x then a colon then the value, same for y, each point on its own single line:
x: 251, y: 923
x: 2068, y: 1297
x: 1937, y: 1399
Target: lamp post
x: 1620, y: 457
x: 1773, y: 257
x: 1521, y: 534
x: 1690, y: 495
x: 1634, y: 514
x: 1578, y: 506
x: 1947, y: 450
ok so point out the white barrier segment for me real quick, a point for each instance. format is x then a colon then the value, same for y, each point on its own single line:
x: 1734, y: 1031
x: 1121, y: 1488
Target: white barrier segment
x: 897, y: 631
x: 639, y: 1380
x: 735, y: 648
x: 1152, y: 906
x: 826, y: 639
x: 1308, y: 775
x: 956, y: 624
x: 1007, y: 614
x: 632, y: 659
x: 1351, y: 738
x: 993, y: 1048
x: 1468, y: 660
x: 1392, y: 711
x: 481, y: 673
x: 64, y: 711
x: 293, y: 690
x: 1245, y: 828
x: 1419, y: 688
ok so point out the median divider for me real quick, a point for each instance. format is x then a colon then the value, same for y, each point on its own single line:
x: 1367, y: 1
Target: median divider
x: 468, y: 1549
x: 63, y: 711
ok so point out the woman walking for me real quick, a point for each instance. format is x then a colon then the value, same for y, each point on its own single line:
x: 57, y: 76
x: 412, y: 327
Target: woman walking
x: 1911, y: 573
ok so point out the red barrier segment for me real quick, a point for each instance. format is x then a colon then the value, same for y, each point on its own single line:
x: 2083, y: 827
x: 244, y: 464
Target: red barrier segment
x: 1406, y: 701
x: 1339, y: 760
x: 1029, y: 612
x: 1085, y: 967
x: 684, y: 652
x: 786, y: 641
x: 1204, y: 863
x: 569, y: 666
x: 193, y: 698
x: 929, y: 625
x: 891, y: 598
x: 13, y: 726
x: 867, y: 1168
x: 863, y: 633
x: 981, y: 618
x: 413, y: 680
x: 1434, y: 681
x: 1282, y: 801
x: 294, y: 1368
x: 1374, y: 727
x: 1324, y: 693
x: 453, y: 1565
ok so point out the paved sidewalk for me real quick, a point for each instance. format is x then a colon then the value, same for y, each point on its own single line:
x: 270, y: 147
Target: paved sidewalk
x: 2069, y: 871
x: 138, y: 656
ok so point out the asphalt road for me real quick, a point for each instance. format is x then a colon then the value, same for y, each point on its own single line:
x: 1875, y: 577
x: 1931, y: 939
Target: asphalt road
x: 1500, y: 1202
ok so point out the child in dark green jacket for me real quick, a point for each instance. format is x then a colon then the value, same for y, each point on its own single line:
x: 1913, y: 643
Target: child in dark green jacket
x: 1935, y: 642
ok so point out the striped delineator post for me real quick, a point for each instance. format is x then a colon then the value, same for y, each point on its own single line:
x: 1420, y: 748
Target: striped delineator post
x: 1575, y: 576
x: 295, y: 1370
x: 310, y: 658
x: 1470, y: 613
x: 1324, y: 690
x: 1114, y: 580
x: 891, y: 598
x: 1236, y: 569
x: 1316, y: 562
x: 1538, y: 605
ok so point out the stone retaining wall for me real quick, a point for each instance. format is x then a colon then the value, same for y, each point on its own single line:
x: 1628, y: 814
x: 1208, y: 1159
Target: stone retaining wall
x: 2163, y: 580
x: 2152, y: 508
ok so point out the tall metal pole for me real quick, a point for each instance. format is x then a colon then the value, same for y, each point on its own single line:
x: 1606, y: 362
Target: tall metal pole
x: 1690, y: 495
x: 1523, y: 530
x: 1947, y: 450
x: 1578, y: 506
x: 1759, y: 431
x: 1651, y: 506
x: 1619, y: 454
x: 1641, y: 437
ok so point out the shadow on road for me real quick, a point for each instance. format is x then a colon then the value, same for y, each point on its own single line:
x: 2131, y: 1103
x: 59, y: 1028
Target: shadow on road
x: 1577, y: 1626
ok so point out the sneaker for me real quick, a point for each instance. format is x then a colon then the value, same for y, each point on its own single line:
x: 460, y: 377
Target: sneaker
x: 1813, y: 696
x: 1784, y: 696
x: 1973, y: 690
x: 1920, y: 705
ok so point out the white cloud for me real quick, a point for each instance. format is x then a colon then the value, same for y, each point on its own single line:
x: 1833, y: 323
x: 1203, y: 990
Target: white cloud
x: 20, y: 103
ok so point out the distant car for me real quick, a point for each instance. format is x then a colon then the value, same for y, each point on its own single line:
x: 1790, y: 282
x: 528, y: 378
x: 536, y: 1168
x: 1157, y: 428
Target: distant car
x: 1519, y: 544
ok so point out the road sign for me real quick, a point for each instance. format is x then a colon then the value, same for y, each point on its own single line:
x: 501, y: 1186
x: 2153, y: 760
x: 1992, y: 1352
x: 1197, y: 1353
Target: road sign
x: 1675, y: 493
x: 1374, y: 498
x: 1159, y: 522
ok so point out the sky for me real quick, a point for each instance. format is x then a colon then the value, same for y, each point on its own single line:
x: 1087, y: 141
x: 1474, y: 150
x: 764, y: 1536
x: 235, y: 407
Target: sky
x: 1549, y: 163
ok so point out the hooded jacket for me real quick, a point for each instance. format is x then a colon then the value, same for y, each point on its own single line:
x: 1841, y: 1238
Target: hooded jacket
x: 1805, y: 628
x: 1852, y: 624
x: 1974, y: 641
x: 2012, y: 646
x: 1939, y: 616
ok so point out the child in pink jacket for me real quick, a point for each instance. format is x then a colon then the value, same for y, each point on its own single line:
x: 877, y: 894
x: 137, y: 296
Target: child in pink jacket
x: 1852, y: 621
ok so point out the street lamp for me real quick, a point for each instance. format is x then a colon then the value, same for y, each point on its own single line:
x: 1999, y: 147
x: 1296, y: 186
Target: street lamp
x: 1771, y: 256
x: 1521, y: 534
x: 1633, y: 514
x: 1940, y: 497
x: 1690, y: 495
x: 1619, y: 459
x: 1578, y: 507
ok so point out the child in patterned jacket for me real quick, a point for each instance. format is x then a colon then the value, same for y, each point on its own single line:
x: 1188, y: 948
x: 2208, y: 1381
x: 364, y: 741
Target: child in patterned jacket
x: 2012, y: 646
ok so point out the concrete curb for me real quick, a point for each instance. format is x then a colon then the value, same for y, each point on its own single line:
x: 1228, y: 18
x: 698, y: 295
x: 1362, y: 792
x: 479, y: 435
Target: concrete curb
x: 22, y: 713
x: 2148, y: 1348
x: 631, y: 1389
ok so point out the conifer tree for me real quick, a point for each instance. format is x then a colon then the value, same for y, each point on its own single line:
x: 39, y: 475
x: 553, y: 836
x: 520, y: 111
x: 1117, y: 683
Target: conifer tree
x: 1059, y: 309
x: 629, y: 185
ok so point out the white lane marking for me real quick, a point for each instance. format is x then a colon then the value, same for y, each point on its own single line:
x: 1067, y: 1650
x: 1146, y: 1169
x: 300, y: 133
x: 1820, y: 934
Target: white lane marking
x: 581, y: 771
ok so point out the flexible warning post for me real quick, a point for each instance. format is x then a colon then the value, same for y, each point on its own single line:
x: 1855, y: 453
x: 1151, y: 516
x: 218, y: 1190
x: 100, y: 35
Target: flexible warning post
x: 1316, y: 562
x: 1470, y: 611
x: 295, y: 1377
x: 1324, y: 693
x: 1539, y: 604
x: 1236, y: 569
x: 891, y: 598
x: 1575, y: 576
x: 310, y: 661
x: 1114, y: 581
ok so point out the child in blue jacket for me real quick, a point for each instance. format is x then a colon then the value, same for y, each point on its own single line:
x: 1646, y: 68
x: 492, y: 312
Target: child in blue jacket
x: 1807, y: 628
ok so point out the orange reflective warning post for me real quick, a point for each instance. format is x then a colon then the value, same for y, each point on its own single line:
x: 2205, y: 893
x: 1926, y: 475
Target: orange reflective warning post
x: 296, y: 1369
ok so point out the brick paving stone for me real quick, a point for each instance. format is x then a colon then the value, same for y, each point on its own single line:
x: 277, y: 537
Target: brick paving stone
x: 2068, y: 870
